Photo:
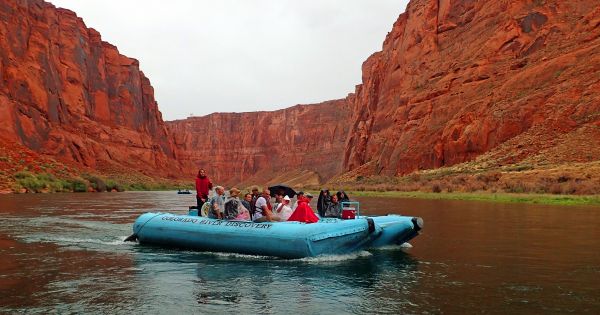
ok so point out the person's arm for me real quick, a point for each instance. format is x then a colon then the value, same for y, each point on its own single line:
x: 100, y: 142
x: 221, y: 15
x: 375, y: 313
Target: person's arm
x: 267, y: 213
x: 216, y: 208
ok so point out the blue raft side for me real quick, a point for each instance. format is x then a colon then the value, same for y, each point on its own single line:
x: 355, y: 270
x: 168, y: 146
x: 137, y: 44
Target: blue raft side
x: 281, y: 239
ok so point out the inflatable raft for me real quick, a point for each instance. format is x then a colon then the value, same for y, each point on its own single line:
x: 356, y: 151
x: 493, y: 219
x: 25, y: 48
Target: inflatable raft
x: 280, y: 239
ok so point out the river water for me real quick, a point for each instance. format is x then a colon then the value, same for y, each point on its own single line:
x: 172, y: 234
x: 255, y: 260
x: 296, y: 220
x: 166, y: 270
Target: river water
x: 63, y: 253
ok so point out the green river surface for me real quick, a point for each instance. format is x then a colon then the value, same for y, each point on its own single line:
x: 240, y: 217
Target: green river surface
x: 64, y: 253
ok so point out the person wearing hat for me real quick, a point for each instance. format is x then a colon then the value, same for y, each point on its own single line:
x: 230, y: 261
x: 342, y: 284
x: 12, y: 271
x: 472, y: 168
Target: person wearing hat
x: 234, y: 209
x: 284, y: 211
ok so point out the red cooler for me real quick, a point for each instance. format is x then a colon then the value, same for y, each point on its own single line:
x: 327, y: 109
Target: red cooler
x: 348, y: 213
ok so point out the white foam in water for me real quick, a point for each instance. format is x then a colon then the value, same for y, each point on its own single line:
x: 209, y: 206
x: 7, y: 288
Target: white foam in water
x: 336, y: 258
x: 318, y: 259
x: 395, y: 247
x: 69, y: 240
x: 406, y: 245
x: 238, y: 256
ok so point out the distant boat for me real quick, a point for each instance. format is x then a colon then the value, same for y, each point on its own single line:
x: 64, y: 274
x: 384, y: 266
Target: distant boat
x: 184, y: 192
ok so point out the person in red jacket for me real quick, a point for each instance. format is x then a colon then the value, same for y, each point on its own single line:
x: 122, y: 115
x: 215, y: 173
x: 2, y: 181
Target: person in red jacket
x: 203, y: 186
x: 304, y: 213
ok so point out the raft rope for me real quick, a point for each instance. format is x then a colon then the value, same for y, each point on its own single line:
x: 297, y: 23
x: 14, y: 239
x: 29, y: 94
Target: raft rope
x: 133, y: 237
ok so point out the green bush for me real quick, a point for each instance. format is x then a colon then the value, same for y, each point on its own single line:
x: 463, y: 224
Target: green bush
x: 77, y: 185
x: 32, y: 184
x: 46, y: 177
x: 23, y: 175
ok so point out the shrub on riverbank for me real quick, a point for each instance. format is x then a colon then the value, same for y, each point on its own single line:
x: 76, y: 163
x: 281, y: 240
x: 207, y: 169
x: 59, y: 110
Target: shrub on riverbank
x: 571, y: 179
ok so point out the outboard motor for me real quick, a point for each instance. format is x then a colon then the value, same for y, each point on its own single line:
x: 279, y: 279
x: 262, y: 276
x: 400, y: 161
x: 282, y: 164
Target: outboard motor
x: 417, y: 223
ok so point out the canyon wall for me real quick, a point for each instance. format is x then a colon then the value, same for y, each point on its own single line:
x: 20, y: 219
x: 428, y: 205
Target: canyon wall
x: 457, y: 78
x: 65, y: 93
x: 303, y: 144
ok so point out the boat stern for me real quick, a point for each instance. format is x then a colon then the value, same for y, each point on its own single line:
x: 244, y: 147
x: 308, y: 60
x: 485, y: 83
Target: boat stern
x: 397, y: 229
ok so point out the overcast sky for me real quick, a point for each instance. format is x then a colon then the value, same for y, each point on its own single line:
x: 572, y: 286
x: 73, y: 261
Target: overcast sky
x: 243, y: 55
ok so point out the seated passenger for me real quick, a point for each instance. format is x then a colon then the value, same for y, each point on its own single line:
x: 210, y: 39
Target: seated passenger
x: 298, y: 198
x: 324, y: 199
x: 333, y: 209
x: 263, y: 209
x: 234, y: 209
x: 304, y: 213
x: 342, y: 196
x: 247, y: 201
x: 283, y: 211
x: 217, y: 204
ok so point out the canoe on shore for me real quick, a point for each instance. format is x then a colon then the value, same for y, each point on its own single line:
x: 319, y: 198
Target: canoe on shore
x: 279, y: 239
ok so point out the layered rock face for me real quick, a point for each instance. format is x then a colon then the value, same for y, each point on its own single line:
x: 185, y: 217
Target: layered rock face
x: 66, y: 93
x: 302, y: 141
x: 457, y: 78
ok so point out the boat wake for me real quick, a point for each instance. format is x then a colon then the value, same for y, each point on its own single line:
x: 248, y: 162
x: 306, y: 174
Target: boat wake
x: 393, y: 247
x: 336, y: 258
x: 309, y: 260
x: 67, y: 241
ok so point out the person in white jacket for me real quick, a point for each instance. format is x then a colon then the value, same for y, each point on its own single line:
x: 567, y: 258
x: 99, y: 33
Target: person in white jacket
x: 283, y: 210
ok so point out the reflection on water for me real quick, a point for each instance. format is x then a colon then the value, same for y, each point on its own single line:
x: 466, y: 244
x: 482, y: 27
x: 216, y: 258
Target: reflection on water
x: 64, y: 253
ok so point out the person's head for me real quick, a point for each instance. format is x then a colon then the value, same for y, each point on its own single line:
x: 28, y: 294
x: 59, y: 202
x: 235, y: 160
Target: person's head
x: 248, y: 197
x: 234, y: 192
x: 334, y: 199
x: 300, y: 194
x: 255, y: 191
x: 220, y: 190
x: 278, y: 197
x: 309, y: 196
x: 286, y: 200
x: 201, y: 173
x: 266, y: 193
x: 341, y: 194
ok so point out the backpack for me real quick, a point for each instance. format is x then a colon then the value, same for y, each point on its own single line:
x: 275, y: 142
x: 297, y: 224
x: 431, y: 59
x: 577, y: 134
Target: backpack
x: 231, y: 209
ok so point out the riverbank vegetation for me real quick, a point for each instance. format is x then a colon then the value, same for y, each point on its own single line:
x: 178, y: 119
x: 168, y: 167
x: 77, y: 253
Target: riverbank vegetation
x: 24, y: 171
x: 483, y: 196
x: 574, y: 183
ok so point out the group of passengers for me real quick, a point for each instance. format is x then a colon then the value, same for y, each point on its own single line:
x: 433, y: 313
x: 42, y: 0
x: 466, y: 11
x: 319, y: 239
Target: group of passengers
x: 257, y: 207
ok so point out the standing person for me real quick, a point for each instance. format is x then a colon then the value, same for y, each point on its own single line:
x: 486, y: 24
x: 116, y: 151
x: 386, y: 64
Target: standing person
x: 324, y: 199
x: 263, y: 212
x: 203, y: 186
x: 217, y: 204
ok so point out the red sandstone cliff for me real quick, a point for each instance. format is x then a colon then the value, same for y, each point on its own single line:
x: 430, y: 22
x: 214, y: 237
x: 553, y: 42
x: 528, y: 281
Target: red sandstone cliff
x: 503, y: 81
x: 304, y: 141
x: 66, y: 93
x: 455, y: 79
